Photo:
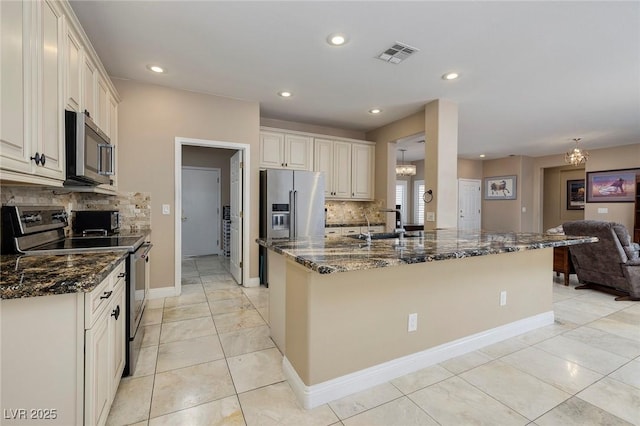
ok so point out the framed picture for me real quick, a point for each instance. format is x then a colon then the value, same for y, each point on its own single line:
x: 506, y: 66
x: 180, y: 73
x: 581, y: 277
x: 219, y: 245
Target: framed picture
x: 500, y: 188
x: 575, y: 194
x: 612, y: 186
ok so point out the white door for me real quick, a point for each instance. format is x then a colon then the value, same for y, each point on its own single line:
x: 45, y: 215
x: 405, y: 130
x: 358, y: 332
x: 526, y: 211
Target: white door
x: 469, y: 204
x: 235, y: 214
x: 200, y: 211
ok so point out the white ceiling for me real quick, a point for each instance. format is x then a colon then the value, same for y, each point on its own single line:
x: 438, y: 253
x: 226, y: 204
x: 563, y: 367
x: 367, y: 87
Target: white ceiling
x: 533, y: 75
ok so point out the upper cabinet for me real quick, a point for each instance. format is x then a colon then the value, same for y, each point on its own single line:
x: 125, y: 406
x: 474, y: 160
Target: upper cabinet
x: 52, y: 68
x: 285, y: 151
x: 348, y: 168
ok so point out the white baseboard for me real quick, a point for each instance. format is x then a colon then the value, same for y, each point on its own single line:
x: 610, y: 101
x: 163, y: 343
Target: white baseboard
x: 321, y: 393
x: 253, y: 282
x: 158, y: 293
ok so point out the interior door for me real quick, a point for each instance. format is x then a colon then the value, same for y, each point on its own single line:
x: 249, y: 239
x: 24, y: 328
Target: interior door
x: 200, y: 211
x: 469, y: 204
x: 235, y: 215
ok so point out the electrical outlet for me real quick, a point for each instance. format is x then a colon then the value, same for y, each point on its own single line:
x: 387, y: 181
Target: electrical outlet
x: 503, y: 298
x: 166, y: 209
x: 413, y: 322
x: 431, y: 216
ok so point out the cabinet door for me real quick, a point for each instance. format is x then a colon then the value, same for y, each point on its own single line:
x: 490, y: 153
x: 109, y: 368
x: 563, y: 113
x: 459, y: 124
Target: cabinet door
x: 50, y: 134
x: 15, y: 148
x: 73, y: 65
x: 298, y: 151
x: 89, y: 87
x: 323, y: 162
x: 117, y: 324
x: 362, y: 171
x: 97, y: 372
x: 272, y: 150
x: 101, y: 118
x: 342, y: 169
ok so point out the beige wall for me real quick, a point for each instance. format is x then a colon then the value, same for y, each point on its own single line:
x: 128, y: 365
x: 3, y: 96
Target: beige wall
x: 311, y: 128
x: 502, y: 215
x: 469, y: 169
x: 555, y: 210
x: 150, y: 118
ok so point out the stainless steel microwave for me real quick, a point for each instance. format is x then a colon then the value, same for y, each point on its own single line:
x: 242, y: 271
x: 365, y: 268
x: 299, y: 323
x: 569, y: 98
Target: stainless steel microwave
x: 89, y: 153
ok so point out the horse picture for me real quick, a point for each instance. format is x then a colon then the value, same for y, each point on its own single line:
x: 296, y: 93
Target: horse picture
x: 500, y: 188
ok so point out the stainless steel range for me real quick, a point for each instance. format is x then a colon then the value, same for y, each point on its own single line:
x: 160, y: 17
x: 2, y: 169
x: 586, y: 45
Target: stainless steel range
x: 40, y: 230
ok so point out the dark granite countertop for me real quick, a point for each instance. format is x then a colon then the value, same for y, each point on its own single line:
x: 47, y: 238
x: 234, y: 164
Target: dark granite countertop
x: 342, y: 254
x: 43, y: 275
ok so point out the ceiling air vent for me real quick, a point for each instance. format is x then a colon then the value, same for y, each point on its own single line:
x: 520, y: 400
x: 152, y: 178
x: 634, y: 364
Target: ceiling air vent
x: 397, y: 53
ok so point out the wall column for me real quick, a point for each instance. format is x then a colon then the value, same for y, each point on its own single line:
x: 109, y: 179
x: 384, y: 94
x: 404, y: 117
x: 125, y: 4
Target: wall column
x: 441, y: 163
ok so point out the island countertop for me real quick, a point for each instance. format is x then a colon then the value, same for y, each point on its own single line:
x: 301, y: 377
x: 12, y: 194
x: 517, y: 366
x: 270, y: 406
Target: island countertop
x: 343, y: 254
x: 43, y: 275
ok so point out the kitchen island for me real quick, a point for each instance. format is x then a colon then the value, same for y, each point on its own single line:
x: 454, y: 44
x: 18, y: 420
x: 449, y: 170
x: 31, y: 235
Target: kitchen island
x: 340, y: 308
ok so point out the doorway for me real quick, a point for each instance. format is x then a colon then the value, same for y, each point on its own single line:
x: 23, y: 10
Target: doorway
x: 243, y: 191
x: 200, y: 211
x: 469, y: 204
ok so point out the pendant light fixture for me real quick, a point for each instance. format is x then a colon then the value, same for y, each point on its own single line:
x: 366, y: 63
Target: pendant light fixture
x: 405, y: 169
x: 576, y: 156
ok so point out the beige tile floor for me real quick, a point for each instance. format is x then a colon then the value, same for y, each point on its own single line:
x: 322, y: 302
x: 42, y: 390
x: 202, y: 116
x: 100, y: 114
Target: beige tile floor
x: 208, y: 360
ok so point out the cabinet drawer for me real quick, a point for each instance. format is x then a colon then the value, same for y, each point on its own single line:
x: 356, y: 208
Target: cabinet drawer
x: 351, y: 230
x: 96, y: 301
x: 373, y: 229
x: 332, y: 232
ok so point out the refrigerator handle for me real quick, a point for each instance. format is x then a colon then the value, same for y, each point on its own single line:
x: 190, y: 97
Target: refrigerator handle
x: 295, y: 209
x: 292, y: 215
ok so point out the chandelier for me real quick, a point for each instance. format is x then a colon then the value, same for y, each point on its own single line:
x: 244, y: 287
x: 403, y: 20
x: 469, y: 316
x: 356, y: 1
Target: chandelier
x: 576, y: 156
x: 405, y: 169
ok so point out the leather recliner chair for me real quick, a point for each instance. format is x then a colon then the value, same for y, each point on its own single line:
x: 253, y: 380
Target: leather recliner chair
x: 612, y: 264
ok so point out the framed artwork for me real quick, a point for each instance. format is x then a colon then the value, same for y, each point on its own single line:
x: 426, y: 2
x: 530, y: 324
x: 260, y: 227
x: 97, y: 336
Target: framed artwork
x: 575, y: 194
x: 500, y: 188
x: 611, y: 186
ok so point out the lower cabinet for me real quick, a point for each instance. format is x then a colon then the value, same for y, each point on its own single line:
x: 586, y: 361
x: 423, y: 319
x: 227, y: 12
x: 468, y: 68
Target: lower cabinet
x: 63, y: 355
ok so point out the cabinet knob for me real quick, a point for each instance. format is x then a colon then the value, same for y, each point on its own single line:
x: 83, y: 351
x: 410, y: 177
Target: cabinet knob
x: 36, y: 158
x: 116, y: 312
x: 43, y: 159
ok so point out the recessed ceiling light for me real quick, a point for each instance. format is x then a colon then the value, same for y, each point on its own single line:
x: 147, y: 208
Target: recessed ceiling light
x: 375, y: 111
x: 482, y: 155
x: 450, y: 76
x: 337, y: 39
x: 285, y: 94
x: 156, y: 68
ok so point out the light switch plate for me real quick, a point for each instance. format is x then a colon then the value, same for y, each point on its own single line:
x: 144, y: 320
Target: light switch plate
x: 431, y: 216
x: 166, y: 209
x: 603, y: 210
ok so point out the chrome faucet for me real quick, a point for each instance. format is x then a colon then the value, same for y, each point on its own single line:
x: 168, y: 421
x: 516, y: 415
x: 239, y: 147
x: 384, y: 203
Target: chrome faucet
x: 368, y: 234
x: 400, y: 228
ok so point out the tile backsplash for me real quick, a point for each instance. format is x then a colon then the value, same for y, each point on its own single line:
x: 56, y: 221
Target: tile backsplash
x: 352, y: 212
x: 134, y: 207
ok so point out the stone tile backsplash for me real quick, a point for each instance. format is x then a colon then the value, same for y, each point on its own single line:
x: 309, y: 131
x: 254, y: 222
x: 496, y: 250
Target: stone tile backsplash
x: 352, y: 212
x: 134, y: 207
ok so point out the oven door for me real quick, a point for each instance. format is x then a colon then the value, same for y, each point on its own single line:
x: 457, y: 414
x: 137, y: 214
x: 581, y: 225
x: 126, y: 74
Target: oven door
x: 136, y: 297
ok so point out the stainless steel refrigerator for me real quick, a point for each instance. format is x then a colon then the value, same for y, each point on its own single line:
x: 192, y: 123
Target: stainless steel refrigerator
x: 291, y: 206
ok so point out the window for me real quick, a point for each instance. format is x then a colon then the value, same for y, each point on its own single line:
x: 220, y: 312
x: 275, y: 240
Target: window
x: 418, y: 202
x: 401, y: 198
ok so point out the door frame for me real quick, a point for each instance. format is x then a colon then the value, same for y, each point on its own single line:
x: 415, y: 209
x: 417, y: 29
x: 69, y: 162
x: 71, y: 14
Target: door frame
x: 219, y: 202
x: 246, y: 202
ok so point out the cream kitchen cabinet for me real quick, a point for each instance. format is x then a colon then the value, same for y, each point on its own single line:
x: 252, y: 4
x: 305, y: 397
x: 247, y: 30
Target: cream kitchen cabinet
x: 65, y: 353
x: 52, y: 67
x: 348, y: 168
x: 285, y: 151
x: 32, y: 130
